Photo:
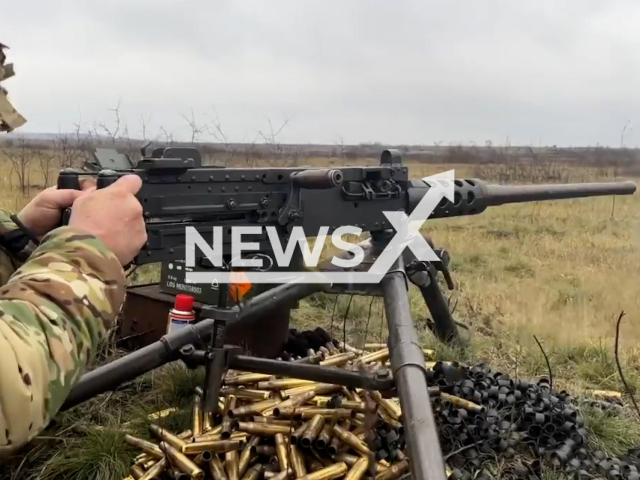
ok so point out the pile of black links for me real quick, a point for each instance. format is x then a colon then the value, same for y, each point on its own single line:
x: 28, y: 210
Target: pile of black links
x: 528, y: 424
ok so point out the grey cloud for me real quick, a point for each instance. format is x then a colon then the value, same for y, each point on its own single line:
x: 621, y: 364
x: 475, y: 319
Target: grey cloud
x: 563, y: 73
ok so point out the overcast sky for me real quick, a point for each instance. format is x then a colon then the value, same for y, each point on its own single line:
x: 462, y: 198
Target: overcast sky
x: 552, y: 72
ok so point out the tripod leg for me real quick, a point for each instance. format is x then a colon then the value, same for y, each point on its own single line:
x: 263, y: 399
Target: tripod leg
x: 446, y: 329
x: 409, y: 372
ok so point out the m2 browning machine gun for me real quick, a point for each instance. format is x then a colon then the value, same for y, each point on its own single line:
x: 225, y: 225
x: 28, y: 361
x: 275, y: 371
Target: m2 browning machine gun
x: 179, y: 192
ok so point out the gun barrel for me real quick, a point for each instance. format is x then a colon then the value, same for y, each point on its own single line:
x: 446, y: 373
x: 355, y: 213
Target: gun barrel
x: 501, y: 194
x: 473, y: 196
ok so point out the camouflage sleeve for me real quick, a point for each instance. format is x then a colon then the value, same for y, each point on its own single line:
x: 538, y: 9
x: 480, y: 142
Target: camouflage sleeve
x: 10, y: 261
x: 54, y: 311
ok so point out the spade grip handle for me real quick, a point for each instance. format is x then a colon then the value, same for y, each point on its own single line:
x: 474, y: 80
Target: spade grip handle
x: 70, y: 180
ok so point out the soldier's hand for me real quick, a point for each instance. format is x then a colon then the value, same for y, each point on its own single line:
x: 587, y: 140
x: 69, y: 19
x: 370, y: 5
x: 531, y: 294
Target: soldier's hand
x: 44, y: 212
x: 114, y: 215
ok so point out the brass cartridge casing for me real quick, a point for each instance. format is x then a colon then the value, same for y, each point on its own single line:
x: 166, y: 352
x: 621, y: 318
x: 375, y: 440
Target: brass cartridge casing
x: 155, y: 470
x: 216, y: 469
x: 315, y: 426
x: 248, y: 378
x: 297, y: 434
x: 281, y: 451
x: 395, y: 471
x: 254, y: 472
x: 252, y: 408
x: 283, y: 383
x: 358, y: 470
x: 351, y: 440
x: 324, y: 437
x: 264, y: 450
x: 197, y: 416
x: 232, y: 465
x: 335, y: 413
x: 265, y: 429
x: 327, y: 473
x: 245, y: 456
x: 147, y: 447
x: 297, y: 461
x: 183, y: 463
x: 136, y: 472
x: 247, y: 393
x: 214, y: 446
x: 166, y: 436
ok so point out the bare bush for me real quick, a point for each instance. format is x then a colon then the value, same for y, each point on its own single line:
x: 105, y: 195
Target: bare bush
x: 20, y: 157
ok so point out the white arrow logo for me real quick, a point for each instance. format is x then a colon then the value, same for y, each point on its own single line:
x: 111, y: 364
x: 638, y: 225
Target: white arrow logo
x: 407, y: 236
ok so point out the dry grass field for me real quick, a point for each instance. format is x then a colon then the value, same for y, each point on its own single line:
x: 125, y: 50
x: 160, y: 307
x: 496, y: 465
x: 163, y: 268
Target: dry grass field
x: 562, y: 271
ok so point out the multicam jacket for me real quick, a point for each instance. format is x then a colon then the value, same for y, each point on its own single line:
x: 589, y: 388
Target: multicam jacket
x: 57, y: 301
x: 10, y: 119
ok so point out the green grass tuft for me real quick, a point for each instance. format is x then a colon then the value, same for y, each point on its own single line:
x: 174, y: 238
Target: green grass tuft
x: 613, y: 433
x: 101, y: 455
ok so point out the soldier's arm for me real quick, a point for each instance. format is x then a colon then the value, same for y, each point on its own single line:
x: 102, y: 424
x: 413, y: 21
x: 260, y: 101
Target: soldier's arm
x: 54, y: 311
x: 14, y: 249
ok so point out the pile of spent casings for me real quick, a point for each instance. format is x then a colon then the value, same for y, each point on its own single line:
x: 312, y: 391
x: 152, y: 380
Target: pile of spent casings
x: 283, y: 428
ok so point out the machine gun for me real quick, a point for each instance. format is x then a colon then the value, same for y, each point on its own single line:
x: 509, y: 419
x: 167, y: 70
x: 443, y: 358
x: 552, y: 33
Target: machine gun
x: 179, y: 192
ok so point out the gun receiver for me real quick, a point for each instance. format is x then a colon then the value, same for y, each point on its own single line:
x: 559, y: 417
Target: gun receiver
x: 178, y: 192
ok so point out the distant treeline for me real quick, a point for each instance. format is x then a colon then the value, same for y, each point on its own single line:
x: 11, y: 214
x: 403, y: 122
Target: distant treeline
x: 455, y: 154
